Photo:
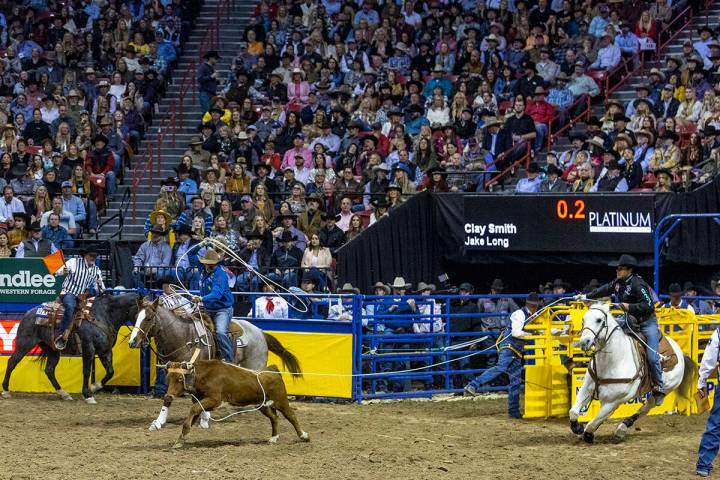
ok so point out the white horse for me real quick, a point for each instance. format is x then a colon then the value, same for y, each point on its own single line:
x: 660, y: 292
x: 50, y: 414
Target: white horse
x: 617, y: 380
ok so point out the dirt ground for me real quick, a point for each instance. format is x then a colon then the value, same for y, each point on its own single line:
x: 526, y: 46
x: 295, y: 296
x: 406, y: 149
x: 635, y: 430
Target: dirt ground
x: 44, y: 437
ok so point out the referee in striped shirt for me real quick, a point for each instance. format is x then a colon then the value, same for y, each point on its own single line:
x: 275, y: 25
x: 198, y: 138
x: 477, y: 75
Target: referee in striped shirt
x: 82, y: 274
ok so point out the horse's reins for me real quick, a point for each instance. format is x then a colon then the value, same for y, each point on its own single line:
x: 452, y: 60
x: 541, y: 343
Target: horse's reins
x: 149, y: 343
x: 591, y: 366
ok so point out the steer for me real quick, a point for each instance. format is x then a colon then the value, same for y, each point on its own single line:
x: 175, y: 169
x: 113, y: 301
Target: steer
x: 212, y: 382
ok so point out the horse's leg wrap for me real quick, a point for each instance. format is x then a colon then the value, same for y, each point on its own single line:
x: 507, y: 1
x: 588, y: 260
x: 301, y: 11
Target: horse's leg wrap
x: 631, y: 420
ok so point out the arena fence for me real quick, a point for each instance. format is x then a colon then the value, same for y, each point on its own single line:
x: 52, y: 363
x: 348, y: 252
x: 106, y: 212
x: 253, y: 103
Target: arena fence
x: 358, y: 347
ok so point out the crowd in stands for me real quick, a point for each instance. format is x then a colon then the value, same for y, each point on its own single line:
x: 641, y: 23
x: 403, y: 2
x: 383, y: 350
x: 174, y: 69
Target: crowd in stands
x: 334, y: 113
x: 80, y: 82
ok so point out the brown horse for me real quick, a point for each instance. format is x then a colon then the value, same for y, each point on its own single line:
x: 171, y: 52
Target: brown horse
x: 212, y: 382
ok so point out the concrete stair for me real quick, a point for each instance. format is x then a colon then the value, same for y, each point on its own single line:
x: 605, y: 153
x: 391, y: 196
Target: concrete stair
x: 231, y: 29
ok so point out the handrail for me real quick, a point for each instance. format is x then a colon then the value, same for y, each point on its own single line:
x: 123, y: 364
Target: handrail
x: 584, y: 113
x: 167, y: 122
x: 524, y: 159
x: 639, y: 65
x: 688, y: 14
x: 120, y: 215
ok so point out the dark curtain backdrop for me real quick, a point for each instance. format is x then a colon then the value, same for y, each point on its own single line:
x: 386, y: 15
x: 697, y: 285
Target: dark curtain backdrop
x: 424, y: 237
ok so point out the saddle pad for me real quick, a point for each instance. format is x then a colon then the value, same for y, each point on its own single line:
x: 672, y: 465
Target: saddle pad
x: 668, y: 357
x: 237, y: 332
x: 47, y: 314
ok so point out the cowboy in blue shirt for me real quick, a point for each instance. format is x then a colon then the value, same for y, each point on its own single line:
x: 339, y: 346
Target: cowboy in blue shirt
x: 218, y: 301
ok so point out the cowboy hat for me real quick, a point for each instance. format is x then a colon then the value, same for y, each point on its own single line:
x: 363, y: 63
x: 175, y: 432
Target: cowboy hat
x: 434, y: 170
x: 399, y: 283
x: 675, y: 289
x: 625, y: 260
x: 158, y: 230
x: 423, y: 287
x: 669, y: 134
x: 646, y: 133
x: 100, y: 138
x: 379, y: 203
x: 491, y: 122
x: 497, y: 284
x: 348, y: 288
x: 655, y: 71
x: 243, y: 136
x: 577, y: 135
x: 382, y: 167
x: 466, y: 287
x: 532, y: 299
x: 183, y: 228
x: 381, y: 285
x: 211, y: 257
x: 211, y: 54
x: 155, y: 213
x: 663, y: 171
x: 286, y: 236
x: 597, y: 141
x: 309, y: 278
x: 195, y: 141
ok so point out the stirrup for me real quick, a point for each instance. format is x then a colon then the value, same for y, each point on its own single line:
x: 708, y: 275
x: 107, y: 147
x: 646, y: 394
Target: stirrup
x: 60, y: 342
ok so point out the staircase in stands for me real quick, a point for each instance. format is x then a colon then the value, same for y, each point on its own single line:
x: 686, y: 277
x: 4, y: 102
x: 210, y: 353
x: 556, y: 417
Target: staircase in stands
x: 187, y: 119
x: 626, y: 91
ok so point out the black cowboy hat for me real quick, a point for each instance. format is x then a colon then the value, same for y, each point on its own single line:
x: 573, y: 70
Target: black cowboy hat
x: 308, y: 278
x: 620, y: 117
x: 663, y: 171
x: 261, y: 165
x: 593, y: 120
x: 671, y: 135
x: 532, y: 299
x: 578, y: 136
x: 286, y: 236
x: 380, y: 203
x: 158, y: 230
x: 553, y: 170
x: 433, y: 170
x: 675, y: 289
x: 35, y: 227
x: 283, y: 216
x: 254, y: 235
x: 689, y: 286
x: 497, y: 284
x: 206, y: 125
x: 183, y: 228
x: 625, y: 260
x: 100, y: 138
x: 170, y: 181
x: 559, y: 282
x: 212, y: 54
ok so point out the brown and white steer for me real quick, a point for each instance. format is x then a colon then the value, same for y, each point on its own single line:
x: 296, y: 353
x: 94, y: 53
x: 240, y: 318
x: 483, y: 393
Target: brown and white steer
x: 213, y: 382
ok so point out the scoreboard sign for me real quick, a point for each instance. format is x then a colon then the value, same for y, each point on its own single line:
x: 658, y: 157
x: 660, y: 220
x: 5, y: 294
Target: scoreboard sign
x: 609, y: 223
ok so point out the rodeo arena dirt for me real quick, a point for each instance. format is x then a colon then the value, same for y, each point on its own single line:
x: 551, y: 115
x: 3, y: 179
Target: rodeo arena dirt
x: 407, y: 439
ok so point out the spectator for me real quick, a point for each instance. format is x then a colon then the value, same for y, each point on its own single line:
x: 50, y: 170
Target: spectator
x: 67, y: 219
x: 552, y: 183
x: 285, y: 261
x: 9, y: 205
x: 56, y: 233
x: 207, y: 79
x: 18, y: 232
x: 36, y: 246
x: 255, y: 259
x: 542, y: 113
x: 531, y: 182
x: 667, y: 155
x: 151, y: 258
x: 185, y: 257
x: 197, y: 207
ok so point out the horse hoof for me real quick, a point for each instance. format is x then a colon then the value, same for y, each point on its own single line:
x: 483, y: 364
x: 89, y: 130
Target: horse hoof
x: 5, y: 394
x: 576, y: 428
x: 64, y: 395
x: 204, y: 424
x: 154, y: 426
x: 178, y: 445
x: 274, y: 439
x: 90, y: 401
x: 305, y: 437
x: 96, y: 387
x: 588, y: 437
x: 620, y: 433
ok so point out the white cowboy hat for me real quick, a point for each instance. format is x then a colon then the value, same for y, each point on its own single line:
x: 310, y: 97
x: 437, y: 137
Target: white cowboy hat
x: 399, y: 282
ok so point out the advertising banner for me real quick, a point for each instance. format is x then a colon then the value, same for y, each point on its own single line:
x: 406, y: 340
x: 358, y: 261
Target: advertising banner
x: 26, y: 280
x: 559, y: 223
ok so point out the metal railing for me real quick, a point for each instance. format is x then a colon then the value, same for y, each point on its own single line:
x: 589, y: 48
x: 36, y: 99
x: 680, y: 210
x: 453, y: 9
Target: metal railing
x: 523, y: 160
x: 167, y: 122
x: 559, y: 116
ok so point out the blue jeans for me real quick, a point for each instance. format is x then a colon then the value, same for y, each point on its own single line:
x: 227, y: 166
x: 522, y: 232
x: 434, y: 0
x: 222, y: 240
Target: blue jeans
x: 247, y: 282
x: 110, y: 184
x: 160, y: 381
x: 69, y: 301
x: 204, y: 98
x: 287, y: 278
x: 511, y: 365
x: 540, y: 134
x: 222, y: 319
x: 710, y: 440
x: 649, y: 328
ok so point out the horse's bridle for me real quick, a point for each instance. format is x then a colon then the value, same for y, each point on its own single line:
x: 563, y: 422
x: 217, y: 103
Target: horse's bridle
x: 146, y: 335
x: 596, y: 335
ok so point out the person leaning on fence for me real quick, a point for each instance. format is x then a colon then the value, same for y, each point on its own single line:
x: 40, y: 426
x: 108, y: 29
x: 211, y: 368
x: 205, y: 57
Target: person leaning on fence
x: 217, y: 300
x: 675, y: 292
x: 341, y: 308
x: 511, y: 347
x: 82, y: 274
x: 184, y: 257
x: 710, y: 440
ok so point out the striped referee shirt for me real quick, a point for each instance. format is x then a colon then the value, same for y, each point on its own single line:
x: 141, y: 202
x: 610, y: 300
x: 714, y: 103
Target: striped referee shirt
x: 81, y: 276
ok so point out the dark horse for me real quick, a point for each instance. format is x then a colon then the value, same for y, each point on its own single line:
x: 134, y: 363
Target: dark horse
x: 97, y: 336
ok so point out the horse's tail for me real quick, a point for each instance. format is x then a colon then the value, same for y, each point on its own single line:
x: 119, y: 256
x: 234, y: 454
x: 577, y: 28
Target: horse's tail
x: 688, y: 374
x: 290, y: 361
